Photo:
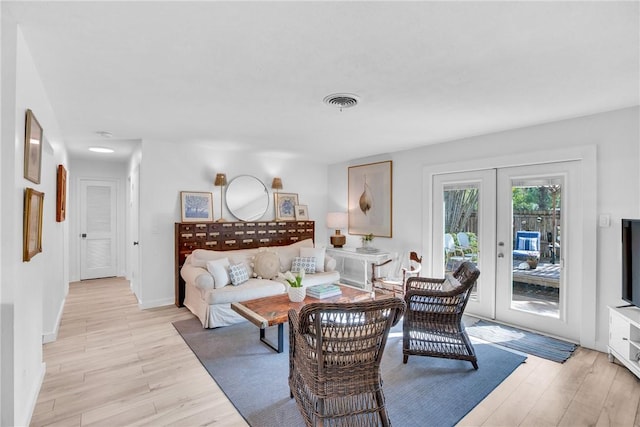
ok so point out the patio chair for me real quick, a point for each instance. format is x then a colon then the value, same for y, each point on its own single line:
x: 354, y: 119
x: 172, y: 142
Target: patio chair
x: 464, y: 243
x: 453, y: 254
x: 335, y: 351
x: 526, y: 245
x: 432, y: 324
x: 399, y: 269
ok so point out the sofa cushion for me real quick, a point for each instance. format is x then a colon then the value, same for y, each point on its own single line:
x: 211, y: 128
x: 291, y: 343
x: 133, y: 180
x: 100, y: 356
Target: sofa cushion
x: 288, y: 253
x: 238, y: 274
x: 308, y: 264
x: 251, y: 289
x: 219, y: 270
x: 266, y: 265
x: 318, y: 253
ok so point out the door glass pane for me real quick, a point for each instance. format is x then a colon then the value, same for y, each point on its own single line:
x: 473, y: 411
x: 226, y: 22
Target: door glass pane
x: 460, y: 226
x: 537, y: 206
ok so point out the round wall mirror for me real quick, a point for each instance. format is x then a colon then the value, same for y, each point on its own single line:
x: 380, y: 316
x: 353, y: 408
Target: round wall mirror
x: 247, y: 198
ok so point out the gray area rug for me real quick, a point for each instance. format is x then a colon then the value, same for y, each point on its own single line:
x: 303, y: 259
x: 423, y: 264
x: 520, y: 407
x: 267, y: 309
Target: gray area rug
x: 426, y: 391
x: 520, y: 340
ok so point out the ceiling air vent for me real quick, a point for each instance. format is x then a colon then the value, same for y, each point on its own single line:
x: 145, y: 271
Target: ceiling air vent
x: 341, y: 100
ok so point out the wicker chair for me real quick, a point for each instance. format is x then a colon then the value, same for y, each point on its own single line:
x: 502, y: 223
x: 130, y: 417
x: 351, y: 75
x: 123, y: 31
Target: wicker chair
x: 394, y: 282
x: 432, y: 324
x: 334, y: 361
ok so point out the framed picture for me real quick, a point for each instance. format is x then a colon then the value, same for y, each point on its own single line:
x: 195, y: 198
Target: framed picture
x: 61, y: 194
x: 302, y: 212
x: 285, y: 206
x: 196, y: 206
x: 32, y: 148
x: 32, y: 224
x: 370, y: 195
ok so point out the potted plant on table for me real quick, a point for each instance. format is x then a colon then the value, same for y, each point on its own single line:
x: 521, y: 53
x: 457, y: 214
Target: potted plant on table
x: 532, y: 260
x: 296, y: 292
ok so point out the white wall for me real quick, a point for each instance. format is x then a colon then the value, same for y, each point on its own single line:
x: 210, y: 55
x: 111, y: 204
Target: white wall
x: 168, y: 168
x: 32, y: 292
x: 80, y: 169
x: 615, y: 136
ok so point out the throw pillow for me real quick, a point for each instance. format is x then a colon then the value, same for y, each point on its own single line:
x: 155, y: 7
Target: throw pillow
x: 238, y: 274
x: 308, y: 264
x: 317, y: 253
x: 218, y: 269
x: 528, y: 243
x: 266, y: 265
x: 450, y: 283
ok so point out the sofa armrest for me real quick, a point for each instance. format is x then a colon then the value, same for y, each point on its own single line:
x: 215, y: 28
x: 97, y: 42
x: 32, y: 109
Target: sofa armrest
x: 197, y: 276
x: 329, y: 263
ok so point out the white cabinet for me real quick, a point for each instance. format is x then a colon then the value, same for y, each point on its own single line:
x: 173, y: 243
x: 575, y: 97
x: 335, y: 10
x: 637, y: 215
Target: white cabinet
x: 624, y: 337
x: 355, y: 267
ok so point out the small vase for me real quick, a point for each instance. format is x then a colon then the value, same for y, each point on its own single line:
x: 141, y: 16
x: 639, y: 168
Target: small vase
x: 297, y: 294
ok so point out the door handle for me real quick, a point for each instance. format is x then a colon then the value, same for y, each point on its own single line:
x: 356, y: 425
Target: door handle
x: 136, y: 243
x: 83, y: 235
x: 500, y: 255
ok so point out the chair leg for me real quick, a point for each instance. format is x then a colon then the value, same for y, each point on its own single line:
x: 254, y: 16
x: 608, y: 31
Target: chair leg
x: 384, y: 418
x: 405, y: 358
x: 475, y: 364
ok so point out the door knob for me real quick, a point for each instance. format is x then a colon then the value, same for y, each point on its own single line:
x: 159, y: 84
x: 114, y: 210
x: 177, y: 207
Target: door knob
x: 136, y: 243
x: 500, y: 255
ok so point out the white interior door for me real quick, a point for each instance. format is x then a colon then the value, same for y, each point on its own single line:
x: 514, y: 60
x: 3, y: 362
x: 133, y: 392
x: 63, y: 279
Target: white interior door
x: 134, y: 248
x: 97, y: 229
x: 466, y: 203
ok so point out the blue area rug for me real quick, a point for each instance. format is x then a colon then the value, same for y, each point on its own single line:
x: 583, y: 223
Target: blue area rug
x: 426, y: 391
x: 524, y: 341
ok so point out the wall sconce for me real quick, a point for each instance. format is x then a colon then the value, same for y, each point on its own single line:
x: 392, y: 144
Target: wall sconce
x: 221, y: 181
x: 337, y: 220
x: 276, y: 184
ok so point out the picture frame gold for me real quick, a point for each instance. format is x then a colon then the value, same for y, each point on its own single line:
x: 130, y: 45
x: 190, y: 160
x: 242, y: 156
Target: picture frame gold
x: 196, y: 206
x: 370, y: 195
x: 33, y: 139
x: 302, y: 212
x: 32, y: 223
x: 285, y: 204
x: 61, y: 194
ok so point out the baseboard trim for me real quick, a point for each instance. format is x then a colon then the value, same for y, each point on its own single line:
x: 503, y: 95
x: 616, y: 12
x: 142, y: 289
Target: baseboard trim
x: 143, y: 305
x: 53, y: 336
x: 33, y: 398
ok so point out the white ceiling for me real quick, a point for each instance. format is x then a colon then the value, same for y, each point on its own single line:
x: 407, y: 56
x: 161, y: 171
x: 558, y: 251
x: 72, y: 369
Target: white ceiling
x: 254, y: 74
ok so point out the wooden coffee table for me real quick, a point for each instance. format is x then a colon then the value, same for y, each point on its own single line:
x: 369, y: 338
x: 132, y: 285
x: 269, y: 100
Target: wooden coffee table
x: 273, y: 310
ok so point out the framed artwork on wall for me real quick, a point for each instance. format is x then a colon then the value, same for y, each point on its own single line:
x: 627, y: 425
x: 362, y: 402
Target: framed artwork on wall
x: 32, y: 148
x: 196, y: 206
x: 286, y: 206
x: 370, y: 196
x: 302, y: 212
x: 61, y: 194
x: 32, y: 223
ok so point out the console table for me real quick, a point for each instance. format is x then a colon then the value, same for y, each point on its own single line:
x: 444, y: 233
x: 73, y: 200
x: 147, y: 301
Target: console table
x: 354, y: 266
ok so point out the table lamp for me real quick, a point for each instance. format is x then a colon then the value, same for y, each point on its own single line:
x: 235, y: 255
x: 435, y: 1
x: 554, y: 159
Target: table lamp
x: 337, y: 220
x: 221, y: 181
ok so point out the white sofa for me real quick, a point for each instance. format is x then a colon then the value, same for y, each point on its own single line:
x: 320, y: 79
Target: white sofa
x: 211, y: 299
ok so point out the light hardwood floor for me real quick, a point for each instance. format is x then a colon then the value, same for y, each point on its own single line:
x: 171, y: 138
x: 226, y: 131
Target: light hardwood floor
x: 116, y: 365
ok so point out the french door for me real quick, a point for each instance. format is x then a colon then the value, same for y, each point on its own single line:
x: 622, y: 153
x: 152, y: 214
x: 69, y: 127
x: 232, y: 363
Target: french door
x: 522, y: 222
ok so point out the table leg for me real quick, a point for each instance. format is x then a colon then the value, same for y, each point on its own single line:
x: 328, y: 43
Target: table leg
x: 280, y: 346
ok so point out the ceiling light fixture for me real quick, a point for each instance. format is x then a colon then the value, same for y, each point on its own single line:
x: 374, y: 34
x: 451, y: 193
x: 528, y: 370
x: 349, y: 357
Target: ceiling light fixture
x: 341, y: 100
x: 101, y: 150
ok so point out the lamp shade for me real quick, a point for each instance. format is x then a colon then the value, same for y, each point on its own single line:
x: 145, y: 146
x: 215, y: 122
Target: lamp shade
x: 337, y: 220
x: 221, y: 179
x: 276, y: 184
